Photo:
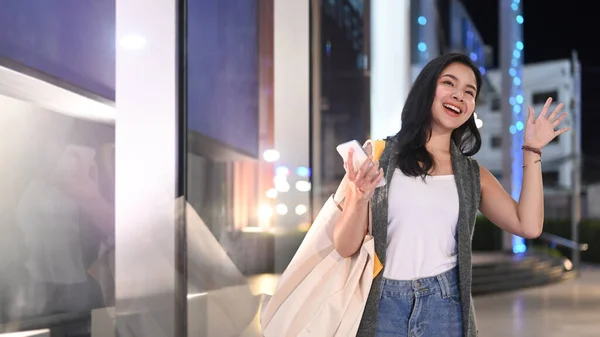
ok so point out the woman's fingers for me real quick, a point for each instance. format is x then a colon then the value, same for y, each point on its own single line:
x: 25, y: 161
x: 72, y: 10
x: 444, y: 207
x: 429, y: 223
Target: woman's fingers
x: 555, y: 112
x: 367, y: 177
x: 375, y: 180
x: 369, y: 182
x: 350, y: 165
x: 363, y: 172
x: 373, y: 172
x: 559, y: 119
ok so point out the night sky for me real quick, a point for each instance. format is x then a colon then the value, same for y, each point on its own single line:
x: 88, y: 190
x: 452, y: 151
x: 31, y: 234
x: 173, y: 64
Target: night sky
x: 552, y: 29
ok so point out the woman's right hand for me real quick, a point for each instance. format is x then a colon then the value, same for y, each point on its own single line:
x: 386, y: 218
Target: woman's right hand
x: 361, y: 183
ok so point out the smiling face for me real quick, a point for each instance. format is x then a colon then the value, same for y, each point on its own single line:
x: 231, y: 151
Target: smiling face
x: 454, y: 101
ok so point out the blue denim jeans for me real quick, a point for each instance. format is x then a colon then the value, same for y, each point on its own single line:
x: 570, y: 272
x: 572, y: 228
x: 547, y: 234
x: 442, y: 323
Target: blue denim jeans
x: 427, y: 307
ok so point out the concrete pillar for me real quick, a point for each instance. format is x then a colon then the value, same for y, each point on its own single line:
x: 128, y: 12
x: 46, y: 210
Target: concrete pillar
x: 390, y: 64
x: 291, y: 121
x: 150, y: 277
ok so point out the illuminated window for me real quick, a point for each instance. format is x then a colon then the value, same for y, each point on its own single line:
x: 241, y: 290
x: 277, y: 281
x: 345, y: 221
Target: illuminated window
x: 542, y: 96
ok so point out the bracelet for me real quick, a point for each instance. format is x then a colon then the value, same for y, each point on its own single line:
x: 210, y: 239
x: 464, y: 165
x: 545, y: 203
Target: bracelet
x: 535, y: 162
x: 531, y: 149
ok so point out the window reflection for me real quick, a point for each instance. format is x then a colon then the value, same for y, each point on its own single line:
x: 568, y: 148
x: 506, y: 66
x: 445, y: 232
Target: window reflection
x: 57, y: 213
x: 250, y: 184
x: 230, y: 120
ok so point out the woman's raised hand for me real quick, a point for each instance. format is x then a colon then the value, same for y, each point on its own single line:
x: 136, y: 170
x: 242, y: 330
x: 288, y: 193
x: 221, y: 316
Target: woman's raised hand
x: 542, y: 130
x: 361, y: 182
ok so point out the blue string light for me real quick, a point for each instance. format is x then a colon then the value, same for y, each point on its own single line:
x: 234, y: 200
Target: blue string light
x: 422, y: 45
x: 519, y: 19
x: 517, y: 124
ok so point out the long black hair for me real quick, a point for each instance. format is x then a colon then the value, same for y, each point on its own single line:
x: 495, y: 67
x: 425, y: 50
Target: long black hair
x: 413, y: 159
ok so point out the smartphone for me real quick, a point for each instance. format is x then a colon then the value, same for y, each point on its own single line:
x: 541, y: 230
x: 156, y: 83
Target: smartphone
x: 359, y: 156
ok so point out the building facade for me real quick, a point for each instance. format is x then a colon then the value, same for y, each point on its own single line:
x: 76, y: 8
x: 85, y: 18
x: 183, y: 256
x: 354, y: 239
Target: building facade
x: 540, y: 81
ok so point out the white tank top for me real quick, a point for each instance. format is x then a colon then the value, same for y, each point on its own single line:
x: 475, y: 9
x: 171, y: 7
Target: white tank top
x: 422, y: 219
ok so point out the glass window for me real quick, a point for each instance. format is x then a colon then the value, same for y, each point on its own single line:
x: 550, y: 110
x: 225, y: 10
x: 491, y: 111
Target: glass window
x: 57, y: 232
x: 541, y: 96
x: 259, y: 118
x: 345, y: 94
x: 495, y: 104
x: 496, y: 142
x: 233, y: 199
x: 57, y: 217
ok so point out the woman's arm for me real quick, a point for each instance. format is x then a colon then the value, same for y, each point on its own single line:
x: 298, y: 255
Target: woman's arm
x: 526, y: 217
x: 349, y: 230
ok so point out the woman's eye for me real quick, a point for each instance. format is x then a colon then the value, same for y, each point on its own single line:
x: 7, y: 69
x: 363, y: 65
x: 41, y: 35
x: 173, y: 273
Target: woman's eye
x: 448, y: 83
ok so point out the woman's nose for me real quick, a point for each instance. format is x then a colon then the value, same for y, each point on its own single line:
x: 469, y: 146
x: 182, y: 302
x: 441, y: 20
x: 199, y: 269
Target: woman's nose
x: 458, y: 95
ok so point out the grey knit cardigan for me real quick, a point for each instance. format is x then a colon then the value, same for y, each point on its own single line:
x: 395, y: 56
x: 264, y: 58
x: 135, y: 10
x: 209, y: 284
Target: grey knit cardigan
x: 466, y: 173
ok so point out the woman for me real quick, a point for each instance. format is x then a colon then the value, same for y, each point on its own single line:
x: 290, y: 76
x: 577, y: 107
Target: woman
x: 423, y: 220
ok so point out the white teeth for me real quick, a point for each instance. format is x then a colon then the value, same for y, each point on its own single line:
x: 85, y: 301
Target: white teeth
x: 457, y: 110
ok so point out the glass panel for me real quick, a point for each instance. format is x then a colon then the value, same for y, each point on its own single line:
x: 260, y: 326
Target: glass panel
x: 57, y: 212
x: 345, y: 90
x: 69, y: 40
x: 227, y: 238
x: 254, y: 141
x: 248, y: 156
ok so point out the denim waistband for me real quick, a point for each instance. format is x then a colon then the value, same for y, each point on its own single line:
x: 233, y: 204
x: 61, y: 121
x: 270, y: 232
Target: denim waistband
x: 446, y: 283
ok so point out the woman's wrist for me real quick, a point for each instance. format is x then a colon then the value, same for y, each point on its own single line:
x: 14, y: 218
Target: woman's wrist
x: 352, y: 204
x: 531, y: 158
x: 530, y: 148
